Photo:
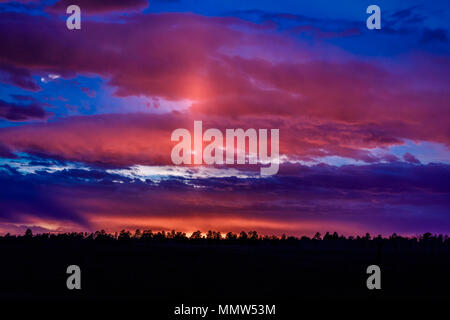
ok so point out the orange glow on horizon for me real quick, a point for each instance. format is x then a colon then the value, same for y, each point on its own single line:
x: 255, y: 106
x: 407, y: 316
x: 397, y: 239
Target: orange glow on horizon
x: 223, y: 225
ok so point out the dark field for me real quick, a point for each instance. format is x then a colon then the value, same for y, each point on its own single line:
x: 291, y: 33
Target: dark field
x: 208, y: 270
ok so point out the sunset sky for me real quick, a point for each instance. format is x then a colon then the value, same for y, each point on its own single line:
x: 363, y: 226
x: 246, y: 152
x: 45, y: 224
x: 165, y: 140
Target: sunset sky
x: 86, y: 115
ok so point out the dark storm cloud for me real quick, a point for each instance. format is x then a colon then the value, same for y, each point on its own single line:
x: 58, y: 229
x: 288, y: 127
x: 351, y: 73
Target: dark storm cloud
x: 17, y: 76
x: 22, y: 112
x: 26, y: 196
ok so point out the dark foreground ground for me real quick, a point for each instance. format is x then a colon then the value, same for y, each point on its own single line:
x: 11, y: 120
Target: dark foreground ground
x: 165, y: 270
x: 170, y: 272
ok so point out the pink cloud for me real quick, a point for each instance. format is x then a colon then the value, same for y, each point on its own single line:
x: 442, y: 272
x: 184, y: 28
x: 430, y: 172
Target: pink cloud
x: 322, y: 107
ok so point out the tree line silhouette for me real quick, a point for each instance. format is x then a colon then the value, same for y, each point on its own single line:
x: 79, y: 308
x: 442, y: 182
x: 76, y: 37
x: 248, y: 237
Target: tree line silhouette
x: 394, y: 242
